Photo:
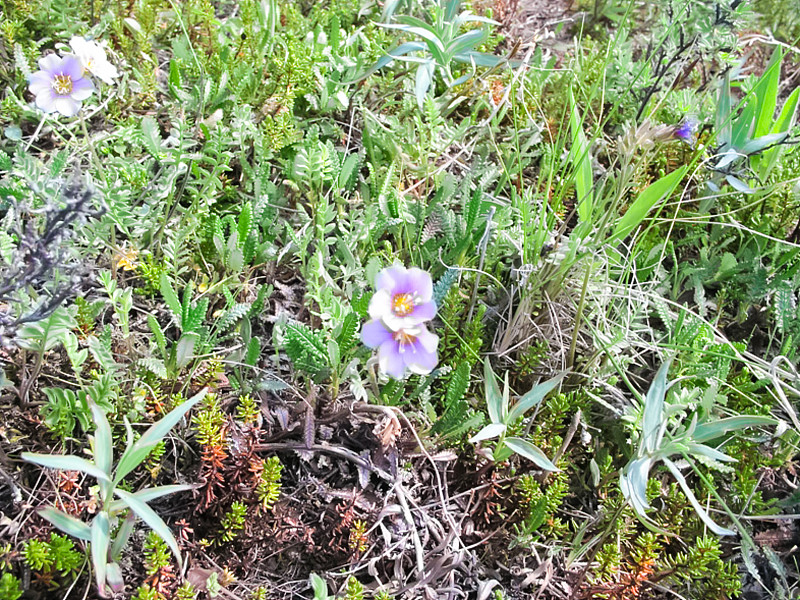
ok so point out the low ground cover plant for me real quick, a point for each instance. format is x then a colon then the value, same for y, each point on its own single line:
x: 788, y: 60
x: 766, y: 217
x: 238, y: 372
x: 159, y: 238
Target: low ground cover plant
x: 411, y: 299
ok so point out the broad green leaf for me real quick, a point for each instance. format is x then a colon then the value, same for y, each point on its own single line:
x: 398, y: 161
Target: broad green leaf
x: 645, y: 201
x: 100, y: 541
x: 66, y: 462
x: 723, y: 116
x: 150, y: 494
x: 487, y: 433
x: 715, y: 429
x: 653, y: 418
x: 123, y: 534
x: 707, y: 451
x: 466, y: 41
x: 494, y: 399
x: 149, y: 516
x: 481, y: 59
x: 701, y: 512
x: 136, y: 453
x: 66, y: 523
x: 531, y: 452
x: 533, y: 397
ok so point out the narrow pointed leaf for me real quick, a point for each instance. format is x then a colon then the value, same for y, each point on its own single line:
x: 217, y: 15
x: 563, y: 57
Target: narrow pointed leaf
x: 534, y: 397
x: 653, y: 418
x: 138, y: 452
x: 494, y: 399
x: 644, y: 203
x: 66, y: 462
x: 487, y: 433
x: 701, y: 512
x: 150, y: 494
x: 705, y: 432
x: 100, y: 541
x: 531, y: 452
x: 103, y: 444
x: 149, y: 516
x: 67, y: 523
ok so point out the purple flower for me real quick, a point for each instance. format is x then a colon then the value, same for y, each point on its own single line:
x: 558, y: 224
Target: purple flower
x: 60, y: 85
x: 403, y: 299
x: 413, y: 348
x: 687, y: 131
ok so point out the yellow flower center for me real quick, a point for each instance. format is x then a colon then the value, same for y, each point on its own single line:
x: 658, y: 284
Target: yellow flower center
x: 402, y: 304
x: 403, y: 338
x: 62, y: 84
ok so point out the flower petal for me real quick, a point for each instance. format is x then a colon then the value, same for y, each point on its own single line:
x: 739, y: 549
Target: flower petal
x: 390, y: 361
x: 429, y: 341
x: 39, y: 82
x: 105, y: 72
x: 71, y: 65
x: 390, y: 278
x: 425, y: 311
x: 82, y: 89
x: 67, y: 106
x: 373, y: 334
x: 50, y: 64
x: 420, y: 283
x: 46, y: 100
x: 381, y: 304
x: 419, y: 359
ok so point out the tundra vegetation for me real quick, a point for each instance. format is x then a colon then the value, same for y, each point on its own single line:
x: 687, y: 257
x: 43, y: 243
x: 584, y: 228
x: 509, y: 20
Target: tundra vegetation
x: 404, y: 299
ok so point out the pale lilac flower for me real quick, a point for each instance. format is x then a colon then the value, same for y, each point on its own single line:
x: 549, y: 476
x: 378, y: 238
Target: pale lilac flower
x: 60, y: 86
x: 404, y: 298
x: 412, y: 348
x: 93, y: 58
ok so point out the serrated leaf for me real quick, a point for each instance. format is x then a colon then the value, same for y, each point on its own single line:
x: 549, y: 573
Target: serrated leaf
x: 171, y: 298
x: 158, y: 333
x: 154, y: 365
